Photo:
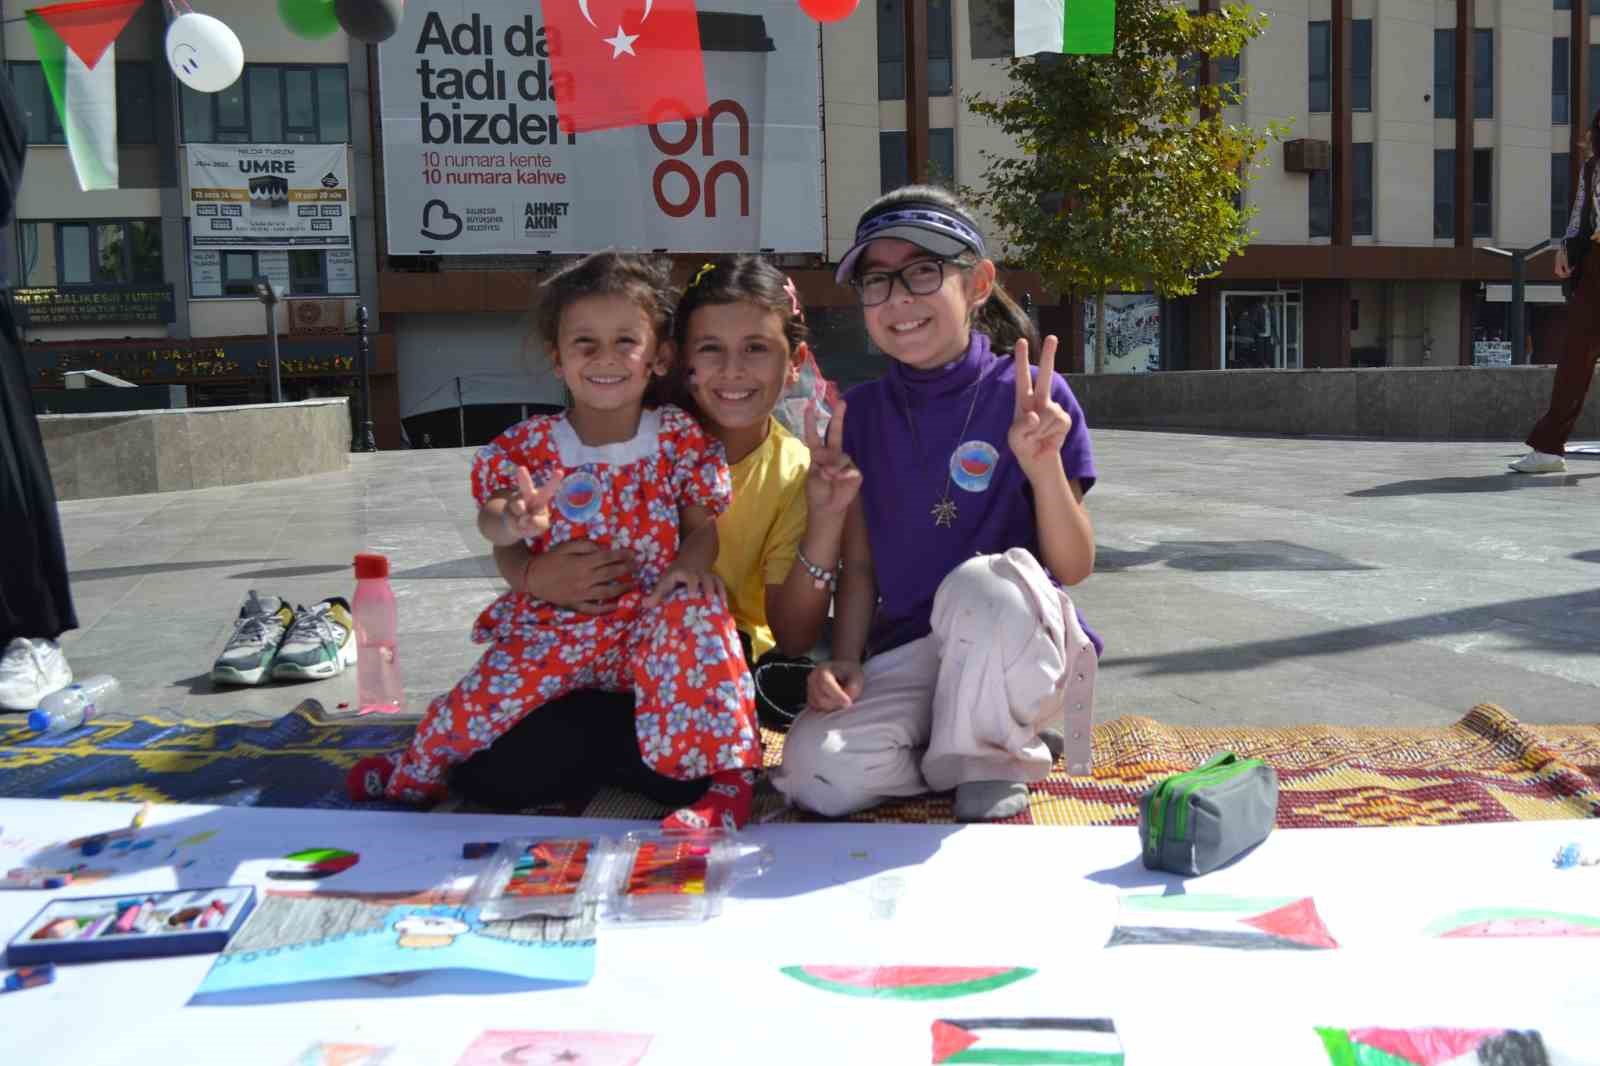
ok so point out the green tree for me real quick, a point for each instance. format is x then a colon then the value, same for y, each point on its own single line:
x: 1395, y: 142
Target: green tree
x: 1128, y: 175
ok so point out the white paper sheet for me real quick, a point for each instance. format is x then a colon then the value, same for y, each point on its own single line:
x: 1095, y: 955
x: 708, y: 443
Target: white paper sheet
x: 1036, y: 897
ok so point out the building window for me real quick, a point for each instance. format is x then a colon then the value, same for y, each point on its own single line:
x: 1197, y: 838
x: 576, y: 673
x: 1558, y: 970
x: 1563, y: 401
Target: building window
x: 1444, y: 192
x: 1560, y: 192
x: 1444, y: 73
x: 308, y: 272
x: 1361, y: 65
x: 892, y: 158
x: 1361, y: 212
x: 1228, y: 72
x: 1320, y: 205
x: 1560, y: 81
x: 1566, y: 5
x: 97, y: 252
x: 136, y: 108
x: 272, y: 104
x: 1319, y: 62
x: 892, y: 49
x: 1594, y: 83
x: 1483, y: 74
x: 1483, y: 192
x: 991, y: 26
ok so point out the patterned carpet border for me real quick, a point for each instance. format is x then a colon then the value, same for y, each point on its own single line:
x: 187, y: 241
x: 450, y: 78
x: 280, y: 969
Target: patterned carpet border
x: 1488, y: 767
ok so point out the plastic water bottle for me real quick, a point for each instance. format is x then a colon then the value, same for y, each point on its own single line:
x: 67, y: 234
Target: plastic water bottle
x: 76, y: 704
x: 378, y: 687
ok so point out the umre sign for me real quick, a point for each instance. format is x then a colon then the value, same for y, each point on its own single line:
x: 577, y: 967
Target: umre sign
x: 90, y: 304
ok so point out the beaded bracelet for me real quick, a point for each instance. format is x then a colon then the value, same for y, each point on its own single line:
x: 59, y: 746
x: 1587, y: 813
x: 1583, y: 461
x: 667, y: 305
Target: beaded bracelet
x: 820, y: 578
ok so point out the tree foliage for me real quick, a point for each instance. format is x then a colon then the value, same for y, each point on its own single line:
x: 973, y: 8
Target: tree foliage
x: 1127, y: 172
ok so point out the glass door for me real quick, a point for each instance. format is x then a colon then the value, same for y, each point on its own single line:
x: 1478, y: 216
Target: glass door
x: 1255, y: 331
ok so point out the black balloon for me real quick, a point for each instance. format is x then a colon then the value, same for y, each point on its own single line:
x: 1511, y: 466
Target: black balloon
x: 371, y: 21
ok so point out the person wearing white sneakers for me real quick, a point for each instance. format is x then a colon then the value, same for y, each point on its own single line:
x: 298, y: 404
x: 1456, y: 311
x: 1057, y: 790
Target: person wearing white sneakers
x: 35, y: 600
x: 1576, y: 369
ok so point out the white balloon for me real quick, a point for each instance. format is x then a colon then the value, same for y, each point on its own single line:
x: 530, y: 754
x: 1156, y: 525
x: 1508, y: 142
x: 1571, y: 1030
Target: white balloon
x: 204, y: 54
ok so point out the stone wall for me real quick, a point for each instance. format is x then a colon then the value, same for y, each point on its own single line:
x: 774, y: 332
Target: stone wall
x: 93, y: 455
x: 1399, y: 403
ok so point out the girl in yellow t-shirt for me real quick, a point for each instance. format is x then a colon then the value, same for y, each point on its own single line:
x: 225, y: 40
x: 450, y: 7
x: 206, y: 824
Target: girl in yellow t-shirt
x: 740, y: 339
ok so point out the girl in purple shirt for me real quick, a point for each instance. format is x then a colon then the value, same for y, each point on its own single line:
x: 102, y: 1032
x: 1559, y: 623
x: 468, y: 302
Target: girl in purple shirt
x: 958, y: 660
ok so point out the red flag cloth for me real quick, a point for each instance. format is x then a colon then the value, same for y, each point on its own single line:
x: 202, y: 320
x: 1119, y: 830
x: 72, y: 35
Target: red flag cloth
x: 622, y: 63
x: 89, y: 27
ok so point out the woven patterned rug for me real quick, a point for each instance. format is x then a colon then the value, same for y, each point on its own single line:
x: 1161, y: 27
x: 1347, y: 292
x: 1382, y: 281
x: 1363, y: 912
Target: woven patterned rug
x: 1488, y: 767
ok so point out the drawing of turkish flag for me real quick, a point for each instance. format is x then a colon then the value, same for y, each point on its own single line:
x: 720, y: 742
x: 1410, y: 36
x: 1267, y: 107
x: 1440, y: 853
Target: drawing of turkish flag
x: 624, y: 62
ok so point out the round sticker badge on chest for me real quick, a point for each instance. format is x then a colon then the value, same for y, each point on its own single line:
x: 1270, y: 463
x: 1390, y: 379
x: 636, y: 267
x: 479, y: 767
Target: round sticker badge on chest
x: 972, y: 465
x: 579, y: 499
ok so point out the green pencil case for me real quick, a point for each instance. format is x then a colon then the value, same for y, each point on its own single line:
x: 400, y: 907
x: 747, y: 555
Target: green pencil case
x: 1192, y: 823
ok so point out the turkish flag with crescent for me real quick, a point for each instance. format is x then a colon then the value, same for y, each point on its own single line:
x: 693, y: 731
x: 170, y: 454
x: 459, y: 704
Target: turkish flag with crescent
x: 621, y: 63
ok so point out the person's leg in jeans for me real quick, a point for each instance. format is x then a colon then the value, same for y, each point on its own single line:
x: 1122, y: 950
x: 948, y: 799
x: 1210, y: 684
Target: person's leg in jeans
x: 1575, y: 372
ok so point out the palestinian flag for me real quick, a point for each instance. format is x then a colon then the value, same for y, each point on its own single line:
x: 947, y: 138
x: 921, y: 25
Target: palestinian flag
x: 1434, y: 1047
x: 75, y: 48
x: 1251, y: 923
x: 1022, y: 1041
x: 1077, y: 27
x: 1514, y: 922
x: 908, y: 982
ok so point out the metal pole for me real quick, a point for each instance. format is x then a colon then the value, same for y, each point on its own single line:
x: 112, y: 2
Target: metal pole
x: 365, y: 440
x: 461, y: 415
x: 277, y: 378
x: 1519, y: 261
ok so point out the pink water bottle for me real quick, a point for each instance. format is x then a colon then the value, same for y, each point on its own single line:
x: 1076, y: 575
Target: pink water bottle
x: 378, y: 688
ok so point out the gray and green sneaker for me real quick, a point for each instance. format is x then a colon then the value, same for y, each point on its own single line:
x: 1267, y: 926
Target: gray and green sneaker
x: 321, y: 643
x: 247, y: 657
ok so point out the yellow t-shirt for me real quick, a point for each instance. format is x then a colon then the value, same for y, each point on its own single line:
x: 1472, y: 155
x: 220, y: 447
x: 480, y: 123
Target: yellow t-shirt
x: 759, y: 533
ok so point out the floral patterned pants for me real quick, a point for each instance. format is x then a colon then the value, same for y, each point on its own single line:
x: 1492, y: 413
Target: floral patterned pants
x: 695, y: 698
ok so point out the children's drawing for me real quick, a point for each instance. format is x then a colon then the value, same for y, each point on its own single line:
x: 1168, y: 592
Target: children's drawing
x: 338, y: 937
x: 1434, y: 1047
x: 1514, y: 922
x: 496, y: 1047
x: 908, y: 982
x: 1027, y: 1041
x: 313, y: 864
x: 342, y: 1055
x: 1250, y: 923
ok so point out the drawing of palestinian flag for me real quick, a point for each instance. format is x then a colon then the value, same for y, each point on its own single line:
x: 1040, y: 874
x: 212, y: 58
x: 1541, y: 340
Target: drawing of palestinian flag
x: 908, y: 982
x: 1434, y: 1047
x: 1251, y: 923
x: 1514, y: 922
x: 75, y: 48
x: 1023, y: 1041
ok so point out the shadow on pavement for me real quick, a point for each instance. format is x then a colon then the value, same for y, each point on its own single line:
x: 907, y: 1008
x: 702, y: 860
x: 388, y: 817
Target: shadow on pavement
x: 1506, y: 482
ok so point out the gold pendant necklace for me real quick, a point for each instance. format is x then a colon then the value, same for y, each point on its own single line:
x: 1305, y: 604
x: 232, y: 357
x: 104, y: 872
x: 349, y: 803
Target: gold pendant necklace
x: 944, y: 512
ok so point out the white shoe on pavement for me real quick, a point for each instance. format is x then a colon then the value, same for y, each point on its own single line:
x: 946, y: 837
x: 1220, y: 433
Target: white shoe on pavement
x: 1539, y: 463
x: 30, y: 671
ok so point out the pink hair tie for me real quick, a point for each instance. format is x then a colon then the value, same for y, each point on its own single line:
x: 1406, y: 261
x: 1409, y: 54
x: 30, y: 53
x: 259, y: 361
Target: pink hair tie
x: 794, y: 297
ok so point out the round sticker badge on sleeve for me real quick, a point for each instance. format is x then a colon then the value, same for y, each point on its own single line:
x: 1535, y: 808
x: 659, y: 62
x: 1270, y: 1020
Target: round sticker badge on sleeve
x: 972, y: 465
x: 579, y: 498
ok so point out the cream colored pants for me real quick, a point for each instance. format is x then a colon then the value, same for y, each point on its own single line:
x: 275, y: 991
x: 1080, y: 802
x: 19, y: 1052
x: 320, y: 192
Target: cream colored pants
x: 1006, y: 658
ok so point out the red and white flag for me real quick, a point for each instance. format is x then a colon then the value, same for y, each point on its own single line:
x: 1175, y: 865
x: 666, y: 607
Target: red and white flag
x: 622, y: 63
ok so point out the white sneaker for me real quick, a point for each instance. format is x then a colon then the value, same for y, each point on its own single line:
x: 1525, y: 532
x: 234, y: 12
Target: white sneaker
x: 30, y: 671
x: 1539, y: 463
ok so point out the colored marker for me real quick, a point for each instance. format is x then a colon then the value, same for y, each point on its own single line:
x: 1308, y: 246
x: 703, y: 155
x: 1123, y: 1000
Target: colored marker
x: 29, y: 977
x: 479, y: 849
x: 61, y: 929
x: 212, y: 914
x: 26, y: 878
x: 129, y: 918
x: 98, y: 926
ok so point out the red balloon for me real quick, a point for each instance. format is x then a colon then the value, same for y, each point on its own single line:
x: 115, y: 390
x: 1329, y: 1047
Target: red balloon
x: 829, y: 10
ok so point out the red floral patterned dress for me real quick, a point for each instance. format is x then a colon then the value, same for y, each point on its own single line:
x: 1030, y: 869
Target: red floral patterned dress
x: 682, y: 660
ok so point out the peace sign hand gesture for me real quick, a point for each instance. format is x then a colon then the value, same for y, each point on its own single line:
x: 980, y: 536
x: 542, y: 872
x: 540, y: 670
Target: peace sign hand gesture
x: 1040, y: 425
x: 527, y: 514
x: 833, y: 480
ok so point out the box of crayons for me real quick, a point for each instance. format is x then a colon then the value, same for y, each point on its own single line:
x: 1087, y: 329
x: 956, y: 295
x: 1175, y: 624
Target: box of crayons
x: 187, y: 922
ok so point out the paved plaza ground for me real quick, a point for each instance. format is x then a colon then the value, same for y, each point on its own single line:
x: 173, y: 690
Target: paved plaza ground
x: 1241, y: 580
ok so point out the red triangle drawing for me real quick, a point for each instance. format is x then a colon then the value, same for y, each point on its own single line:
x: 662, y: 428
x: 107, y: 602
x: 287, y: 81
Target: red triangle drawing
x: 1425, y: 1047
x: 950, y: 1039
x: 1298, y: 922
x: 89, y: 27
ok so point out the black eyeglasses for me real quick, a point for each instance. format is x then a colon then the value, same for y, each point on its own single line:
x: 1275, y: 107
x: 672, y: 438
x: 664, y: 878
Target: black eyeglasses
x: 919, y: 279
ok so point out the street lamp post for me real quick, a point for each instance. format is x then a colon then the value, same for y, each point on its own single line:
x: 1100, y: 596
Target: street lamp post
x: 365, y: 441
x: 1520, y: 258
x: 268, y: 294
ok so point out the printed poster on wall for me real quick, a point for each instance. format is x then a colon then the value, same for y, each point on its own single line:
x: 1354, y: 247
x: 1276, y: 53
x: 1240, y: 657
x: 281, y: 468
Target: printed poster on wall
x: 476, y: 161
x: 269, y: 196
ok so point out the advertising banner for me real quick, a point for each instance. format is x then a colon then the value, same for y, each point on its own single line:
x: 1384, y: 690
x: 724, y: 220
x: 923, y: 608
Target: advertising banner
x: 268, y: 196
x: 477, y: 162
